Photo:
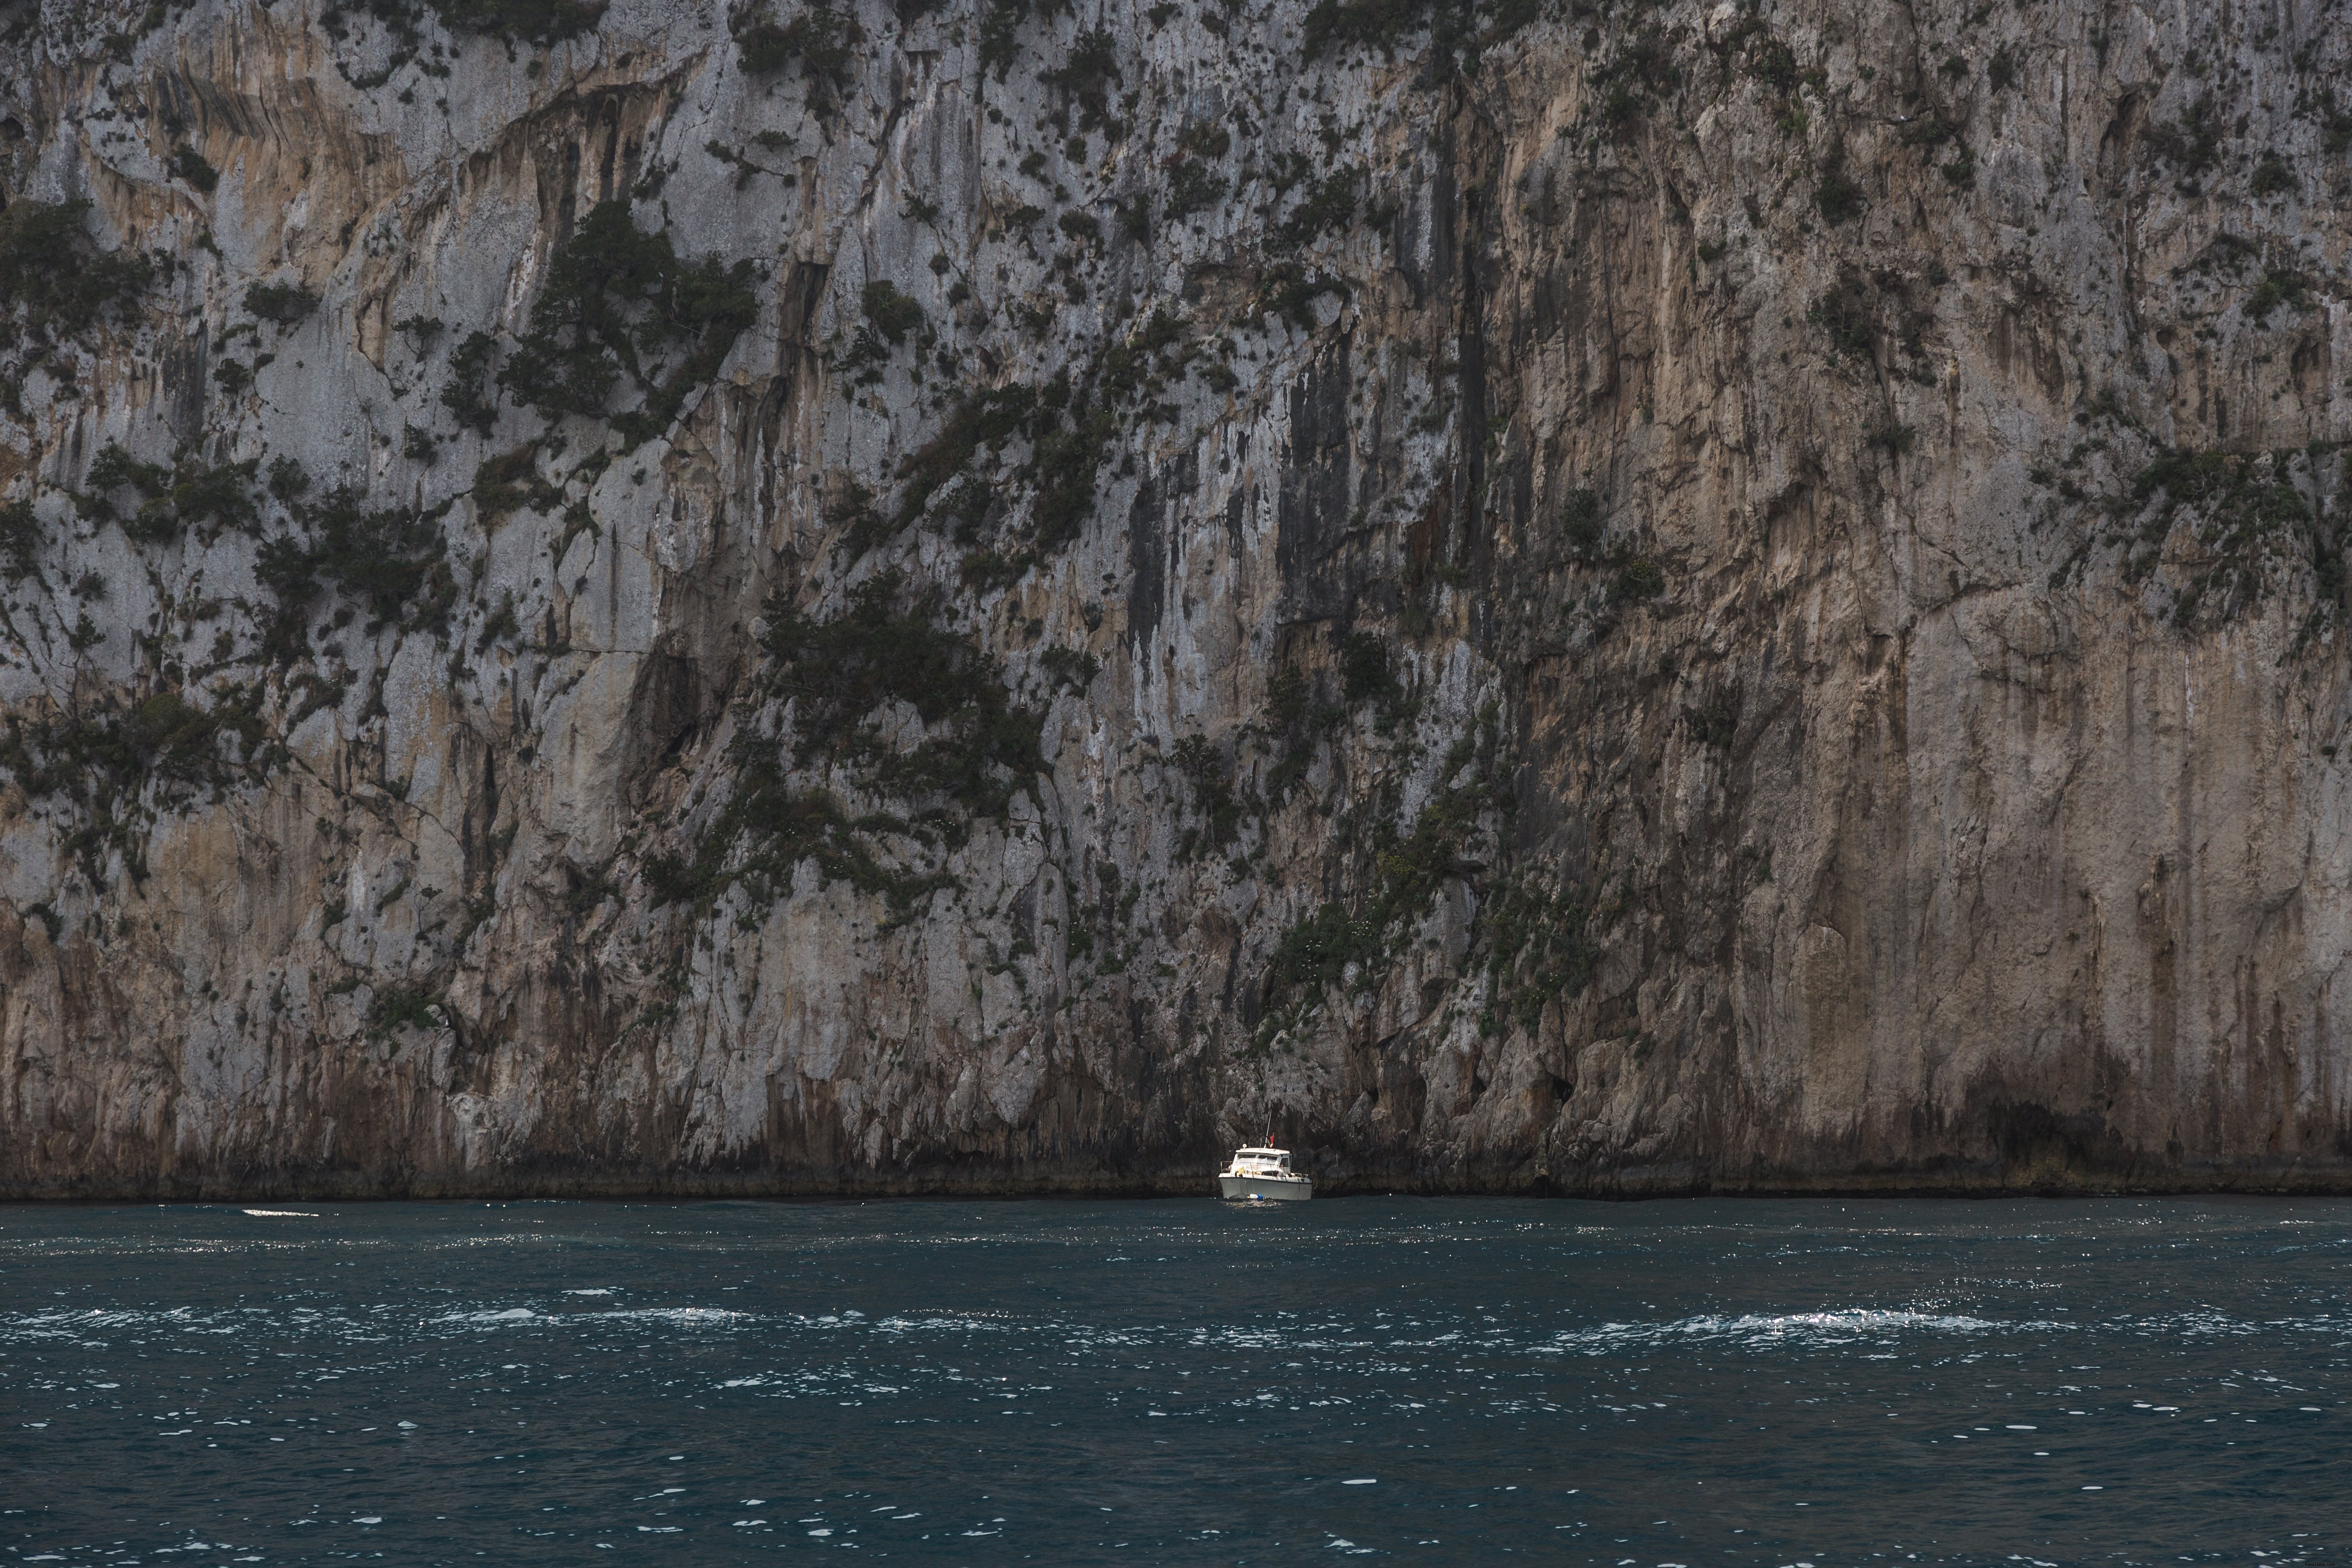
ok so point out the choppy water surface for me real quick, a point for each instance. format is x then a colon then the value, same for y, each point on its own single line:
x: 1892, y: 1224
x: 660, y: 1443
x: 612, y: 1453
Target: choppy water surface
x: 1675, y: 1383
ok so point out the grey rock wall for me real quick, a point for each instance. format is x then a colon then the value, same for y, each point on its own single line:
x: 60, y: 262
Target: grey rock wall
x: 1542, y: 598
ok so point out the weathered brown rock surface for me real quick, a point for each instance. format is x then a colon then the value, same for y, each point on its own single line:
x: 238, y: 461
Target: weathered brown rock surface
x: 985, y: 597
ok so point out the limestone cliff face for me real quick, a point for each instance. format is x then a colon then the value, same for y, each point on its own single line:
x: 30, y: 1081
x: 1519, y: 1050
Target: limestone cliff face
x: 992, y: 596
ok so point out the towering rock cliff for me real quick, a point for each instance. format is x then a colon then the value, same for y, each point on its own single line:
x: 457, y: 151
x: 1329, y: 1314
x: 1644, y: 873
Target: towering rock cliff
x: 996, y: 595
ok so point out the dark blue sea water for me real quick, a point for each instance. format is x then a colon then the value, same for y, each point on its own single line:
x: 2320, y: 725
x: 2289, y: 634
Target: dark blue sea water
x: 1447, y: 1381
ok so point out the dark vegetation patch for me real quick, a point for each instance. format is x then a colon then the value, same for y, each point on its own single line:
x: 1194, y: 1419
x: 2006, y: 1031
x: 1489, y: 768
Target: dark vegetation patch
x: 193, y: 170
x: 1364, y: 672
x: 468, y: 395
x: 21, y: 538
x: 1456, y: 39
x: 1583, y: 525
x: 155, y: 505
x: 1289, y: 289
x: 1193, y: 187
x: 510, y: 482
x: 1630, y: 82
x: 1210, y: 780
x: 1541, y: 948
x: 1087, y: 76
x: 2333, y: 119
x: 1404, y: 874
x: 531, y: 21
x: 841, y: 678
x: 55, y: 282
x: 1330, y: 204
x: 2273, y: 177
x: 894, y: 314
x: 388, y: 562
x: 620, y: 309
x: 820, y: 40
x: 516, y: 21
x: 2223, y: 530
x: 1837, y: 199
x: 984, y: 420
x: 1850, y: 316
x: 888, y: 315
x: 119, y: 760
x: 1069, y: 438
x: 2242, y: 514
x: 840, y: 675
x: 1069, y: 669
x: 2278, y: 291
x: 398, y: 1007
x: 283, y: 303
x: 1638, y: 579
x: 1294, y: 722
x: 2190, y: 145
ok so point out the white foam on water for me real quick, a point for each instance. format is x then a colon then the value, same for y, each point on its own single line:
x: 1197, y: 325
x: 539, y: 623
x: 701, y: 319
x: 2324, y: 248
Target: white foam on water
x: 1761, y: 1330
x: 597, y: 1290
x: 1362, y: 1481
x: 280, y: 1213
x: 675, y: 1317
x: 679, y: 1317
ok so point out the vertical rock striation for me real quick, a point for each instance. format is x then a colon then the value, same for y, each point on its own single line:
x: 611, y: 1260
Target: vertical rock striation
x: 992, y: 596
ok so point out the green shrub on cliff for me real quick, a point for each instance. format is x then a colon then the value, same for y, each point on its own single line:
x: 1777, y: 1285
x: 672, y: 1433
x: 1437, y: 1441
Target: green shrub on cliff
x: 467, y: 395
x: 192, y: 168
x: 1837, y: 199
x: 1405, y: 875
x: 189, y: 494
x: 1384, y: 25
x: 389, y: 562
x: 2244, y: 514
x: 531, y: 21
x: 893, y: 314
x: 106, y: 757
x: 510, y: 482
x: 284, y: 303
x: 820, y: 39
x: 53, y: 277
x: 840, y: 676
x: 1087, y: 76
x: 616, y: 302
x: 20, y: 541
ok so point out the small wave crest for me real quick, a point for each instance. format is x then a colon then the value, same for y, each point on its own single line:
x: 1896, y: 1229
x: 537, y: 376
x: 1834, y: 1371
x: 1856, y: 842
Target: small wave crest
x: 683, y: 1317
x: 1767, y: 1330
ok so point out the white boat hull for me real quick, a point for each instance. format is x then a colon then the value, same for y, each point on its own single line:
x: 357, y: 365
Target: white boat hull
x: 1267, y: 1189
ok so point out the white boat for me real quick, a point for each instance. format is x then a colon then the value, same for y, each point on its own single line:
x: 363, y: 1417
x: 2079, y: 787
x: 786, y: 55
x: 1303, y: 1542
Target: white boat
x: 1263, y: 1175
